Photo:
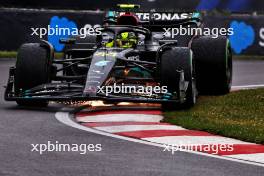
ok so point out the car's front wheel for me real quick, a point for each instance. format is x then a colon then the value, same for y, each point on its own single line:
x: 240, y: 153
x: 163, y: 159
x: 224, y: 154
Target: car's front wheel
x: 173, y: 61
x: 33, y: 68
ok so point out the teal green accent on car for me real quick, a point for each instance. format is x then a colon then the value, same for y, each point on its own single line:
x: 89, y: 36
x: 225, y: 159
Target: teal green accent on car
x: 111, y: 14
x: 145, y: 73
x: 167, y: 96
x: 196, y: 15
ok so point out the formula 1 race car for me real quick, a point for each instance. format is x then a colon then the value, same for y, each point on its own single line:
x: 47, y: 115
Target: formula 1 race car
x: 131, y: 61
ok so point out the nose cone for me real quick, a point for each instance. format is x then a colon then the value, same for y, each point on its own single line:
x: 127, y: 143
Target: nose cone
x: 102, y: 63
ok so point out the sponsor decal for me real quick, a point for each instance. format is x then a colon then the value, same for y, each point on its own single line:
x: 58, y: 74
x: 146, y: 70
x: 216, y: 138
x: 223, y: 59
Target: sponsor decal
x: 163, y: 16
x: 134, y: 58
x: 102, y: 63
x: 104, y: 54
x: 243, y: 37
x: 98, y: 72
x: 158, y: 16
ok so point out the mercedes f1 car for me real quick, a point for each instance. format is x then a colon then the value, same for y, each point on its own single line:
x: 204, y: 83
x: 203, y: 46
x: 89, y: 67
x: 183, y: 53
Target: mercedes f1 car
x: 132, y: 51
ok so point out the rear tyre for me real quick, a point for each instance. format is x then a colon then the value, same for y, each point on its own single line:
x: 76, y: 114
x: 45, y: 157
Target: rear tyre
x: 213, y: 65
x: 178, y: 59
x: 33, y: 68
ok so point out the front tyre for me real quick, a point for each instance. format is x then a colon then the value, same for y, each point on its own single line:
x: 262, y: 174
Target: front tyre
x: 173, y: 61
x: 33, y: 68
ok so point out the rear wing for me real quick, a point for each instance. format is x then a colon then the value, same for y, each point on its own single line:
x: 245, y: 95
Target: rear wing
x: 157, y: 21
x: 159, y: 18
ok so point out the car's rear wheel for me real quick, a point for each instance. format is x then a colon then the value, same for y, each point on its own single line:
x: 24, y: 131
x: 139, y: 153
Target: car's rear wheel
x: 33, y: 68
x: 173, y: 61
x: 213, y: 65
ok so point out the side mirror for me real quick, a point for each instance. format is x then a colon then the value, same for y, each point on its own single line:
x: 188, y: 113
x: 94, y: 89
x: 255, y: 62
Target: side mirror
x: 67, y: 40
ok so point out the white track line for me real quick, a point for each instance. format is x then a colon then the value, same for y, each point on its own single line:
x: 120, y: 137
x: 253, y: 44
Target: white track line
x: 248, y: 87
x: 120, y: 118
x: 66, y: 119
x: 191, y: 140
x: 129, y: 128
x: 258, y: 157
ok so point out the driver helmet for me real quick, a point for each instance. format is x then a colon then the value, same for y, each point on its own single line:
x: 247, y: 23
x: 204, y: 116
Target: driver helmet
x: 127, y: 40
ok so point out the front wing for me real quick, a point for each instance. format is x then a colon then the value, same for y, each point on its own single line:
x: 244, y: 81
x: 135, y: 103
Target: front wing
x: 73, y: 92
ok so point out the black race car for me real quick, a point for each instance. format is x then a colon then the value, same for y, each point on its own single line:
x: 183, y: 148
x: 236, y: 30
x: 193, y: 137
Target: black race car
x: 132, y: 61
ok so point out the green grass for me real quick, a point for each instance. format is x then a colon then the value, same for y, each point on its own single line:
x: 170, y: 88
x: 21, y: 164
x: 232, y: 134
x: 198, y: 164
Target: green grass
x: 237, y: 115
x: 8, y: 54
x: 58, y: 55
x: 13, y: 54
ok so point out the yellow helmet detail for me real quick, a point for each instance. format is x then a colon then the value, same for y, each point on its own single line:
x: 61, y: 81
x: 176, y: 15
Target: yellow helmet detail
x: 124, y: 35
x: 109, y: 44
x: 126, y: 40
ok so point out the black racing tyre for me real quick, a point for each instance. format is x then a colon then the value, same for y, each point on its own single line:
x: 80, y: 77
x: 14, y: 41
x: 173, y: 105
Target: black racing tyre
x: 33, y: 68
x: 173, y: 60
x: 213, y: 65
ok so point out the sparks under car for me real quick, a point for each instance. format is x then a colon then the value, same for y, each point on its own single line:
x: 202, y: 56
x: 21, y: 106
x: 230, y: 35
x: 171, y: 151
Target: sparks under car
x: 130, y: 52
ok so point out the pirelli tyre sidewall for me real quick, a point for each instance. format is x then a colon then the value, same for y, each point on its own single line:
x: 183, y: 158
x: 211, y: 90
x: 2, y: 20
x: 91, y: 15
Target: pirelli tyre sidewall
x: 213, y: 65
x: 173, y: 60
x: 33, y: 68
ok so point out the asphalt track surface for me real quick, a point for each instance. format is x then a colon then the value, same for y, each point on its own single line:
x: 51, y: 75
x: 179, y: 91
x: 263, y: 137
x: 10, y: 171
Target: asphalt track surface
x: 19, y: 128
